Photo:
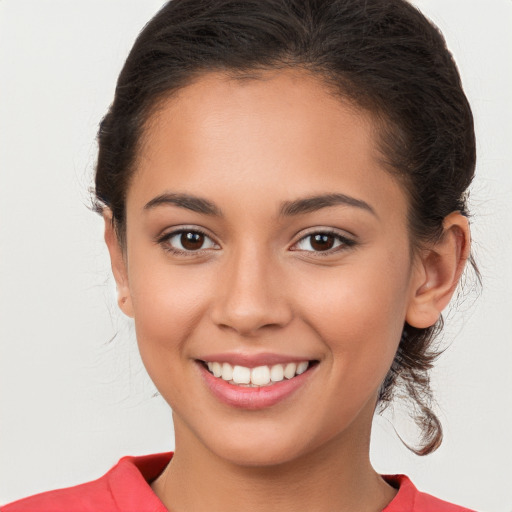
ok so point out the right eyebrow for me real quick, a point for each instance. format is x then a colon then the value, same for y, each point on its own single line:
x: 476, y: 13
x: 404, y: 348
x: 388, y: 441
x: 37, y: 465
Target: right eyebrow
x: 314, y: 203
x: 190, y: 202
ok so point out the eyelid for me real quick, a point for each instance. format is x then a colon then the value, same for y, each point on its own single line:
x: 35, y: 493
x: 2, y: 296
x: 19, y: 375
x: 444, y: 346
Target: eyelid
x: 347, y: 241
x: 164, y: 237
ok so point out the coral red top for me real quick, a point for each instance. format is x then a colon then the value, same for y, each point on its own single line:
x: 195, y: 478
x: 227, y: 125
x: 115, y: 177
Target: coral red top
x: 125, y: 488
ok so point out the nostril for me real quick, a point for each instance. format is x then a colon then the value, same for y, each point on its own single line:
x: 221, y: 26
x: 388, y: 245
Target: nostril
x: 247, y: 306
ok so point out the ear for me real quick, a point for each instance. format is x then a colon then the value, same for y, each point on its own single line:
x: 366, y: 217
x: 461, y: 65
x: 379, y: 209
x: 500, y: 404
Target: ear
x: 118, y: 262
x: 437, y: 272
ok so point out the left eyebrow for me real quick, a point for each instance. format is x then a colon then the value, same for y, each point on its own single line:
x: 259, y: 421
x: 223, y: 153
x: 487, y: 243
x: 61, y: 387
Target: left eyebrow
x: 187, y: 201
x: 314, y: 203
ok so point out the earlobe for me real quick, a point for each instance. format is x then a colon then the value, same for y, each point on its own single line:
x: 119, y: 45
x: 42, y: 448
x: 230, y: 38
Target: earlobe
x: 118, y: 263
x: 437, y: 273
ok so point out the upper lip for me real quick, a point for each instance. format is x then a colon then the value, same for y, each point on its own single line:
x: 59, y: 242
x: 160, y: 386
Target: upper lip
x: 253, y: 360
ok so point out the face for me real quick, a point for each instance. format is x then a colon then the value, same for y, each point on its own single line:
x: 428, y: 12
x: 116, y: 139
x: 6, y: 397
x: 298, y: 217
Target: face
x: 262, y: 233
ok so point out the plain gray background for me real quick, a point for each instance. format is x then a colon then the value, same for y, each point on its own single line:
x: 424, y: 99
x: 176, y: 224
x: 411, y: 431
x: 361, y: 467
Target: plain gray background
x: 71, y: 402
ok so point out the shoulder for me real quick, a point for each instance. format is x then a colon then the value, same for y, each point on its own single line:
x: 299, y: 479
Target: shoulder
x: 86, y: 497
x: 409, y: 499
x: 123, y: 489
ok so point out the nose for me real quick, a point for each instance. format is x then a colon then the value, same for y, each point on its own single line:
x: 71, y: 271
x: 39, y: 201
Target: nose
x: 251, y: 295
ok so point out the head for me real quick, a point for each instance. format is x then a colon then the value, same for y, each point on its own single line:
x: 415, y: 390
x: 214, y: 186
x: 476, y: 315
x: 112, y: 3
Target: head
x: 401, y: 103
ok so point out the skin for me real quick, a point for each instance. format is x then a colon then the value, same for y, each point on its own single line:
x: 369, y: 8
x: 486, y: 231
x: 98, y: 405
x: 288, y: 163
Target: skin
x: 258, y: 286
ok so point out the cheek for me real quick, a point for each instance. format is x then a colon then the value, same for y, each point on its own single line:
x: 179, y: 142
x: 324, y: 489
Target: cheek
x: 168, y: 303
x: 359, y: 311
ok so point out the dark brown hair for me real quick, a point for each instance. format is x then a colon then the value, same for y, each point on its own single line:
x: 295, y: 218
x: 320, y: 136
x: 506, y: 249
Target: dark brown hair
x: 384, y: 55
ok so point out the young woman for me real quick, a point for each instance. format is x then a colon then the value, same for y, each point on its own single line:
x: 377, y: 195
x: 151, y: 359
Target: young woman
x: 283, y: 184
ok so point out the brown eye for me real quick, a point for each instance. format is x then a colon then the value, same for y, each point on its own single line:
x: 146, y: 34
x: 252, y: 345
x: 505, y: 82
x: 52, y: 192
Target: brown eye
x: 322, y: 242
x: 191, y: 240
x: 187, y: 241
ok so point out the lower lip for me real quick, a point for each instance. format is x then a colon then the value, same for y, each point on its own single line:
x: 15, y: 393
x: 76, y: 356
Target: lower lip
x: 253, y: 397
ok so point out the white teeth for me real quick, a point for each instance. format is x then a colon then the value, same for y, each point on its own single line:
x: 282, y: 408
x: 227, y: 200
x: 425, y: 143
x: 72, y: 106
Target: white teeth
x: 259, y: 376
x: 227, y: 372
x: 217, y: 369
x: 277, y: 373
x: 289, y: 371
x: 241, y: 375
x: 302, y: 367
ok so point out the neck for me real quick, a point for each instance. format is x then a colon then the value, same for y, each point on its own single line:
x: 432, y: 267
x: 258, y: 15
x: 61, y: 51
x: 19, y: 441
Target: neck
x: 338, y: 476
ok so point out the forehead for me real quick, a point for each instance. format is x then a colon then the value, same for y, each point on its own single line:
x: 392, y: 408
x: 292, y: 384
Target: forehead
x: 290, y: 103
x: 282, y: 132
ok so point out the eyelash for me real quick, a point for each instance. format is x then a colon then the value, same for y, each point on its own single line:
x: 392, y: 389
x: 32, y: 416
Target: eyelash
x: 164, y: 240
x: 344, y: 242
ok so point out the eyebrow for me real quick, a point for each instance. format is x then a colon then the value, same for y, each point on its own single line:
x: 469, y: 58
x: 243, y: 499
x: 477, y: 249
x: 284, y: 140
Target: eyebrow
x: 288, y: 208
x: 314, y: 203
x: 196, y: 204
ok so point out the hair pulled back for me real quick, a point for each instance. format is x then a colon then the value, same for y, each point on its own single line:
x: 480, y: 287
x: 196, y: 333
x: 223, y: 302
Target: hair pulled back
x: 383, y: 55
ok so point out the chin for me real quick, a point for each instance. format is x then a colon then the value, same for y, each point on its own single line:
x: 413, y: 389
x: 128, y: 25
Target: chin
x: 259, y: 455
x: 265, y: 445
x: 260, y: 448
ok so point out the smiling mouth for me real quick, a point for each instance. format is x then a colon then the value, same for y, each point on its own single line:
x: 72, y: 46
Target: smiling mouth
x: 259, y: 376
